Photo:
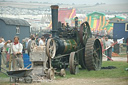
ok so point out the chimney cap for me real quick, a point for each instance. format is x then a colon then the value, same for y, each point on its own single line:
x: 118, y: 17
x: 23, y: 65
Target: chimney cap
x: 54, y: 6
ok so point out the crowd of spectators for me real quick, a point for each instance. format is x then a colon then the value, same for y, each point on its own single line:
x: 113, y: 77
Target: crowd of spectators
x: 11, y: 51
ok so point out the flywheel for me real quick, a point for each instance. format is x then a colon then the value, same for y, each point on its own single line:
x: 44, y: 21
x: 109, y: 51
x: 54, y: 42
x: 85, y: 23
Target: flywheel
x: 51, y: 48
x: 84, y: 32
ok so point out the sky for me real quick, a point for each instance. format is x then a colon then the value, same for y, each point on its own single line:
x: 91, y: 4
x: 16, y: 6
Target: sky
x: 76, y: 1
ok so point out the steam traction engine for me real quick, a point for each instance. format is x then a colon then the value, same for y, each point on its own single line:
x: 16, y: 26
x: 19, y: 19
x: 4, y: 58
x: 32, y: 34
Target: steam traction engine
x: 73, y: 46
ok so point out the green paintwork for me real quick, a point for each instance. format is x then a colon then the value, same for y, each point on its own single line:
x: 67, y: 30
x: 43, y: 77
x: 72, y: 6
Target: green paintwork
x: 70, y: 45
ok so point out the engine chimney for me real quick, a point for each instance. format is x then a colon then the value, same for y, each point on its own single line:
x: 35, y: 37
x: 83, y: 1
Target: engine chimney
x: 54, y: 10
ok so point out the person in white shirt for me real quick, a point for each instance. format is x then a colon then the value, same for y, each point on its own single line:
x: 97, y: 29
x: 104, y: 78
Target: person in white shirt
x: 108, y: 43
x: 32, y: 37
x: 1, y: 48
x: 16, y: 51
x: 3, y: 51
x: 1, y: 44
x: 42, y: 41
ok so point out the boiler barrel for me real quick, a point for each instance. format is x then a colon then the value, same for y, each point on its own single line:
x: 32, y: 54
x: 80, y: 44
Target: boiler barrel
x: 65, y: 46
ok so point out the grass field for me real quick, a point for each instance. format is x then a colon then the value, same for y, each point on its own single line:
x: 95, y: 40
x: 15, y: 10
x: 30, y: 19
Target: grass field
x: 104, y: 73
x: 120, y: 72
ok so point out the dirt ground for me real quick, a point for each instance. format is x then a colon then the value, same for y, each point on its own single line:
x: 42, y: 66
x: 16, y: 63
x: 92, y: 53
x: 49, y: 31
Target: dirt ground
x: 90, y: 81
x: 116, y: 58
x: 87, y: 81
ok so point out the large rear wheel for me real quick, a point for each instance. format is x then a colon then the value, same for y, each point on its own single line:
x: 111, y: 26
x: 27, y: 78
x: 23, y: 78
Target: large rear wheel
x: 93, y: 54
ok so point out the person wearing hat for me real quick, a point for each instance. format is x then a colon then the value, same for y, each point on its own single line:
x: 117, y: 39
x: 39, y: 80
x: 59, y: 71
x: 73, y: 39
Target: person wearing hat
x: 108, y: 43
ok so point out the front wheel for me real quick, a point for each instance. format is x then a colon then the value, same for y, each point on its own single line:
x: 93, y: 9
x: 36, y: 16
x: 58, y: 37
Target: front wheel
x: 73, y: 64
x: 50, y: 74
